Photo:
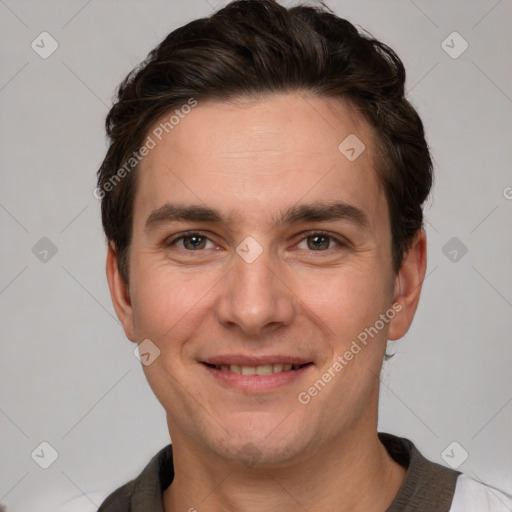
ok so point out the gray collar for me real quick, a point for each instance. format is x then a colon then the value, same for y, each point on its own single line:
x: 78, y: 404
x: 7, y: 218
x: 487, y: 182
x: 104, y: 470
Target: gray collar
x: 428, y: 486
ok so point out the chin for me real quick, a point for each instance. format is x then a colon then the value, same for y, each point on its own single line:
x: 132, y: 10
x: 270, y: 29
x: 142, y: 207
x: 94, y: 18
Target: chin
x: 260, y: 443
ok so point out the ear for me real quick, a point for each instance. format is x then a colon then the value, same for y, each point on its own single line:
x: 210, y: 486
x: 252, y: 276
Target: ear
x: 408, y: 284
x: 120, y: 293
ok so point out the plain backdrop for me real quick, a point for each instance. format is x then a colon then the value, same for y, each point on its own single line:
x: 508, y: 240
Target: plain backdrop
x: 69, y: 376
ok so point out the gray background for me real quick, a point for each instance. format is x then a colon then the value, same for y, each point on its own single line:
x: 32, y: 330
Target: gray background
x: 69, y: 376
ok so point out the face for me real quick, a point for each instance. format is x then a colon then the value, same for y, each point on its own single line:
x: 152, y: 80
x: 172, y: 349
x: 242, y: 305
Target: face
x: 260, y: 268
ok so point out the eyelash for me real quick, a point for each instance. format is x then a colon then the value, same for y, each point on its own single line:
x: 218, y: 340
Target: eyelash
x: 340, y: 242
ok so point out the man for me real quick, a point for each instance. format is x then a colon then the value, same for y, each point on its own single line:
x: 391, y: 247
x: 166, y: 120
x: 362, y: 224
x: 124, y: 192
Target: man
x: 262, y: 200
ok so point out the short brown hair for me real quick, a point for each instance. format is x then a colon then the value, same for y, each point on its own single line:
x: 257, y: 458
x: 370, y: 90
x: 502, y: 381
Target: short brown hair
x: 256, y: 47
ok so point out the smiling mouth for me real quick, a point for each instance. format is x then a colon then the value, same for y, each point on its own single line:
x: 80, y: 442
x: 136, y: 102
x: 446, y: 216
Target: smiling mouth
x: 263, y: 369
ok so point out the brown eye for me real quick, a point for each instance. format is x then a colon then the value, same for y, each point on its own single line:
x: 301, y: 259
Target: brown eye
x: 194, y: 242
x: 318, y: 242
x: 321, y: 241
x: 191, y: 242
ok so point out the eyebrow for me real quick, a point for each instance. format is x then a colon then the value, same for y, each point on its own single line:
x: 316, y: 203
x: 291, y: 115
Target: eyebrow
x: 314, y: 212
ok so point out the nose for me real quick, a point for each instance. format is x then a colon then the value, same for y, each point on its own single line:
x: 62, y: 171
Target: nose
x: 254, y: 298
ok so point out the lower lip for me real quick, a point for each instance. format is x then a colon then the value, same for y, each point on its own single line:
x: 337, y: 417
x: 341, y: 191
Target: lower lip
x: 257, y: 383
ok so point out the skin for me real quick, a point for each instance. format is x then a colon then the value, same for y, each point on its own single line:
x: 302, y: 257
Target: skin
x: 251, y: 160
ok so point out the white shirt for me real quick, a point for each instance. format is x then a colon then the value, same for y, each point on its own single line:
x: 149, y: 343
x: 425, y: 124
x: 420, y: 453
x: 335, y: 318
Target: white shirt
x: 471, y: 495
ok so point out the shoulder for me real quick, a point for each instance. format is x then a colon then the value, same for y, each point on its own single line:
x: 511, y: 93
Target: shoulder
x: 119, y: 500
x: 473, y: 495
x: 144, y: 492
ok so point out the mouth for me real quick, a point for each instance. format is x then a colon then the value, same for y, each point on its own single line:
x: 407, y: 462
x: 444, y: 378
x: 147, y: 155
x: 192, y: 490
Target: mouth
x: 262, y: 369
x: 256, y: 375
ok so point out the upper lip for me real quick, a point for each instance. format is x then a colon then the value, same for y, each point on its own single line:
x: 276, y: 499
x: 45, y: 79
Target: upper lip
x: 254, y: 360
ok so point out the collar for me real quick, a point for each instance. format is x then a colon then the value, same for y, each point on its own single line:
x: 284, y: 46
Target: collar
x: 427, y: 486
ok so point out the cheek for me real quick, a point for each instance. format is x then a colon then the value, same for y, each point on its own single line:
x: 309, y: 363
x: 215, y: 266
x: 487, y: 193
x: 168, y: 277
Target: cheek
x: 347, y: 301
x: 166, y: 303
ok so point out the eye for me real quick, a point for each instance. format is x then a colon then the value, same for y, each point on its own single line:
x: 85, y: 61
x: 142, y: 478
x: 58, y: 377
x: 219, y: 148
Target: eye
x: 319, y: 241
x: 314, y: 241
x: 191, y: 242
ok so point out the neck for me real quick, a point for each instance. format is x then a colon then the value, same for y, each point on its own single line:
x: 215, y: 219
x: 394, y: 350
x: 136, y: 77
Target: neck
x: 353, y: 474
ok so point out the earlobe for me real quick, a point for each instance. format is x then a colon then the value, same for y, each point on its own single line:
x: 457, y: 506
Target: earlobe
x: 408, y: 284
x: 120, y: 293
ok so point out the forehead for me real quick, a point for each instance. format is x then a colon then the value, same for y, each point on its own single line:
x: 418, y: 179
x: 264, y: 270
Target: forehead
x: 250, y: 157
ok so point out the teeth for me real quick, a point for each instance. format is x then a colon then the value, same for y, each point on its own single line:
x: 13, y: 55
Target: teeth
x: 264, y: 369
x: 276, y: 368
